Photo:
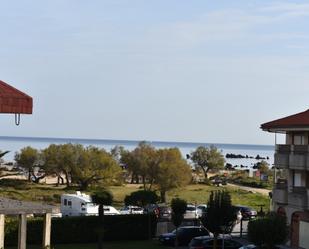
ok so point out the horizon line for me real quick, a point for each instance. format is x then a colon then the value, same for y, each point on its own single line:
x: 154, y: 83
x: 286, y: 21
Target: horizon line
x: 127, y: 140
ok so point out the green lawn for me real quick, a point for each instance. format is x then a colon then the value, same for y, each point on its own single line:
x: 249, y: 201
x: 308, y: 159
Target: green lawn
x: 199, y: 193
x: 109, y: 245
x: 195, y: 193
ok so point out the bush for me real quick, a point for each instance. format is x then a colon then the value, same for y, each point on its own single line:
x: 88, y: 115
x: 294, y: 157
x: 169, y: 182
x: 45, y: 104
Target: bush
x: 15, y: 183
x: 83, y: 229
x: 141, y: 198
x: 268, y: 231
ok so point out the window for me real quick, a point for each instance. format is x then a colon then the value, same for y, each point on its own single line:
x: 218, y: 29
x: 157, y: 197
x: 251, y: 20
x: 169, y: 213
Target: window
x: 299, y: 139
x: 70, y: 203
x: 297, y: 179
x: 65, y: 202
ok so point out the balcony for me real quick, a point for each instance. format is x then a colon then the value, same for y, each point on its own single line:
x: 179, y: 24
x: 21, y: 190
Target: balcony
x: 298, y: 161
x: 298, y: 198
x: 282, y: 160
x: 280, y: 193
x: 292, y: 156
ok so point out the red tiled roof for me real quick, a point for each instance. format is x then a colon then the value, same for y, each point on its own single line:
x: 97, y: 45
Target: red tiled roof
x: 13, y: 100
x: 299, y: 120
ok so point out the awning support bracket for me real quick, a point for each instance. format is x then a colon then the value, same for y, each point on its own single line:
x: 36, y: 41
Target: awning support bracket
x: 17, y: 119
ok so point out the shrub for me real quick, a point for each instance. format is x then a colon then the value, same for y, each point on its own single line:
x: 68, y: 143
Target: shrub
x: 141, y: 198
x: 15, y: 183
x: 83, y: 229
x: 268, y: 231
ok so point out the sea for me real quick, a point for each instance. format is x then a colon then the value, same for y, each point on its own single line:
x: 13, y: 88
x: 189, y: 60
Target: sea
x: 15, y: 144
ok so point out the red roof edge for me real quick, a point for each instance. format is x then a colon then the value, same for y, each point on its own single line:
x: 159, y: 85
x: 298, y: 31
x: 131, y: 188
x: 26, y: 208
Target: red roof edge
x: 13, y: 100
x: 298, y: 120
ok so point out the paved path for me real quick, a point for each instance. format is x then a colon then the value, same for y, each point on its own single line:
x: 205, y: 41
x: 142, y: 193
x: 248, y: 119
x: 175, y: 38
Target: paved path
x: 250, y: 189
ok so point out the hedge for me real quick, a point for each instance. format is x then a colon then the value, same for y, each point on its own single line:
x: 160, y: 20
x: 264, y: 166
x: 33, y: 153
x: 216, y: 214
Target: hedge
x: 83, y: 229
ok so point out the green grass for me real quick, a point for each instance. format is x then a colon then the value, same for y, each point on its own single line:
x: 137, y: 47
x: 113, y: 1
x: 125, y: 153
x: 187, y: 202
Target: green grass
x: 108, y: 245
x: 200, y: 194
x: 197, y: 193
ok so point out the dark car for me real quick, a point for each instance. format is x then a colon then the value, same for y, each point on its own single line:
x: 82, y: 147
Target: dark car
x: 162, y: 211
x: 246, y: 212
x: 207, y: 243
x: 251, y: 246
x: 185, y: 235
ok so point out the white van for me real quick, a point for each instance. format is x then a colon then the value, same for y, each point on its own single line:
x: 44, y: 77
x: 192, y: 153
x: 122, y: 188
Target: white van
x: 80, y: 204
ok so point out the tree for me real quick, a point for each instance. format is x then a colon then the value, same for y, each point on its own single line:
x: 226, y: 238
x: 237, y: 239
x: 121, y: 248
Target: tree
x: 141, y: 198
x: 141, y: 162
x: 128, y: 161
x: 2, y: 154
x: 95, y: 166
x: 28, y: 158
x: 268, y: 231
x: 101, y: 198
x: 220, y: 215
x: 179, y: 207
x: 50, y: 162
x: 263, y: 167
x: 173, y: 171
x: 208, y: 159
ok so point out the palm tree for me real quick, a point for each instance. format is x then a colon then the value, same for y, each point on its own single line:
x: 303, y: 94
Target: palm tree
x: 101, y: 197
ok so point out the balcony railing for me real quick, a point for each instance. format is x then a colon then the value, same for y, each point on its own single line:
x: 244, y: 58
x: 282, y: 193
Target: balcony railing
x: 298, y: 198
x: 280, y: 193
x: 292, y: 156
x: 283, y: 148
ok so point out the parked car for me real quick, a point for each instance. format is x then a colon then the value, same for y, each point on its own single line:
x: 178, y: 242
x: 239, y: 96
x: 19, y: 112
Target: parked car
x: 201, y: 210
x: 164, y: 212
x: 206, y: 242
x: 191, y: 212
x: 246, y: 212
x: 252, y: 246
x: 185, y: 235
x: 131, y: 210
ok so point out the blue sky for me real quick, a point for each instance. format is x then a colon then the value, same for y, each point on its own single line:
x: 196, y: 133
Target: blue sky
x: 172, y: 70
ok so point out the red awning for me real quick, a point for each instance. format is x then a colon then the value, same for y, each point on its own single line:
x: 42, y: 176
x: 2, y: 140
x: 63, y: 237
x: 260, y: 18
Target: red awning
x: 13, y: 100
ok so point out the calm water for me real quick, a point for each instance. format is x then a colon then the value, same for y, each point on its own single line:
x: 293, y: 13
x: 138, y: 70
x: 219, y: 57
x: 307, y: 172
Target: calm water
x: 14, y: 144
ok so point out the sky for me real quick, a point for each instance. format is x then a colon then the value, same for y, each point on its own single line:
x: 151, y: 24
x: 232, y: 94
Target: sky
x: 157, y: 70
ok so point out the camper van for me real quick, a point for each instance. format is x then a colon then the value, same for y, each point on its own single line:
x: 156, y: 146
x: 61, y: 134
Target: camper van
x: 80, y: 204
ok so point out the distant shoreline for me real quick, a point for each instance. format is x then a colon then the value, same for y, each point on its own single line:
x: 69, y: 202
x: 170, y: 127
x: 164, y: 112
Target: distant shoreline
x: 135, y: 142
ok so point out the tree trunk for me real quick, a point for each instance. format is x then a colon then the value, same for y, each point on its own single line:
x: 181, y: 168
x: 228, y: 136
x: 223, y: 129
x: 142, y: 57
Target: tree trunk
x: 163, y: 196
x: 67, y: 178
x: 58, y: 181
x: 38, y: 179
x: 29, y: 175
x: 136, y: 179
x: 61, y: 180
x: 205, y: 172
x: 144, y: 182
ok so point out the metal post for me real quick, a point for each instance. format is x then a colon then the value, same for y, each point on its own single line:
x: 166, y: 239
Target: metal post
x: 241, y: 227
x: 22, y: 231
x: 46, y: 230
x: 2, y: 218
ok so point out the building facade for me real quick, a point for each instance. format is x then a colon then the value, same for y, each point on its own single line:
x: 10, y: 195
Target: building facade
x: 291, y: 190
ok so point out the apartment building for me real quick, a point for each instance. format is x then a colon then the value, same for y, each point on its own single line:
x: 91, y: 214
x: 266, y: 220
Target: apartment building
x: 291, y: 189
